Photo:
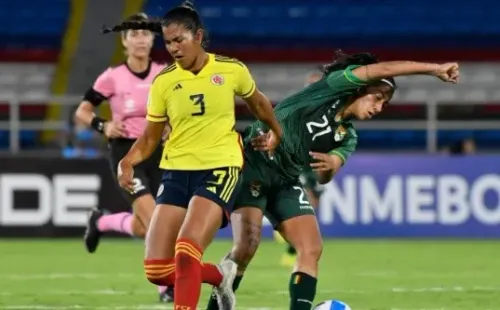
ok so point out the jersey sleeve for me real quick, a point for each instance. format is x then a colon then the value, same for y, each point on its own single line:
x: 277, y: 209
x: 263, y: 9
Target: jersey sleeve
x: 157, y: 109
x: 103, y: 88
x: 344, y: 80
x: 347, y: 147
x: 245, y: 85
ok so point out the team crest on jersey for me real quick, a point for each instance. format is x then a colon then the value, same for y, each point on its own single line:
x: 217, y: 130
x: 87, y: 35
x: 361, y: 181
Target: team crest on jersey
x: 217, y: 79
x: 340, y: 133
x: 255, y: 188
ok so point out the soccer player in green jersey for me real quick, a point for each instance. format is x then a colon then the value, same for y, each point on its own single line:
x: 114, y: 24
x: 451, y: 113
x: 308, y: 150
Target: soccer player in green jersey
x: 311, y: 187
x: 317, y: 132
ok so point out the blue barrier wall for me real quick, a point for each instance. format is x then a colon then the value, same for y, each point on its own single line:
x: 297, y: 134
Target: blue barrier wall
x: 412, y: 196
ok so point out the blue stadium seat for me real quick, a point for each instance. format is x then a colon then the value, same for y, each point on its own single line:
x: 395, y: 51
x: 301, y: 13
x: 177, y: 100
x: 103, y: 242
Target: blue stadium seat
x: 31, y: 23
x: 291, y: 19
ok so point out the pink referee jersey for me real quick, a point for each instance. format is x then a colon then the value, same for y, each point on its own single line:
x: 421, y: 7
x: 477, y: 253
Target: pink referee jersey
x: 127, y: 93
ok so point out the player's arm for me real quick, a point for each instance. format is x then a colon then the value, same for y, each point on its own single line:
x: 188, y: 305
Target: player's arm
x: 257, y: 102
x: 154, y: 131
x: 447, y: 72
x: 102, y: 89
x: 327, y: 165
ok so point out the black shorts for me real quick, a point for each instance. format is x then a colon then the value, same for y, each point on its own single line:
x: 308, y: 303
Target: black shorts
x: 147, y: 175
x: 219, y: 185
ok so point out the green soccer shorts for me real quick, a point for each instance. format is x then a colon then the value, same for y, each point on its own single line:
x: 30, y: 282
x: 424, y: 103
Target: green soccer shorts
x: 262, y: 188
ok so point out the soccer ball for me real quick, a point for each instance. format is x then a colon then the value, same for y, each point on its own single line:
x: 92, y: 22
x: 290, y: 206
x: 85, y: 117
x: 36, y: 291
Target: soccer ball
x: 332, y: 305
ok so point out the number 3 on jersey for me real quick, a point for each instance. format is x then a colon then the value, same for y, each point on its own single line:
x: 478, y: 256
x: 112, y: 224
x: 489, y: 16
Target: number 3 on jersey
x: 198, y: 100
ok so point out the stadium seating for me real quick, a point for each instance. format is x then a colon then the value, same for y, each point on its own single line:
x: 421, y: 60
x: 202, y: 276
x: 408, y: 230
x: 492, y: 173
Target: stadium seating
x: 30, y: 30
x: 379, y: 22
x: 282, y: 40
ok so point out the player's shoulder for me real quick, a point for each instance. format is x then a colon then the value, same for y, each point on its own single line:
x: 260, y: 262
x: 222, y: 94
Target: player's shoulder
x: 166, y: 74
x: 112, y: 72
x: 228, y: 62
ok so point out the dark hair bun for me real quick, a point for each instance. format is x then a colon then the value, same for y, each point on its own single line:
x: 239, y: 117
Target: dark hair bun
x: 188, y: 5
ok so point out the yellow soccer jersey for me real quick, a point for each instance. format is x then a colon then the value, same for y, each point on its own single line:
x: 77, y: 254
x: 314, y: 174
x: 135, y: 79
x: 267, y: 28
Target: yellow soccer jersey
x: 200, y: 110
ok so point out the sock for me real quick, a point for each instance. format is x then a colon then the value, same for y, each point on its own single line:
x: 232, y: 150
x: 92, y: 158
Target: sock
x: 188, y: 274
x: 160, y: 271
x: 210, y: 274
x: 302, y: 290
x: 162, y: 289
x: 212, y: 302
x: 119, y: 222
x: 291, y: 250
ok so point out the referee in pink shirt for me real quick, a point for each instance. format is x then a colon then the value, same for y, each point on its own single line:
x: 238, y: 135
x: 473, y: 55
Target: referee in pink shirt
x: 126, y: 87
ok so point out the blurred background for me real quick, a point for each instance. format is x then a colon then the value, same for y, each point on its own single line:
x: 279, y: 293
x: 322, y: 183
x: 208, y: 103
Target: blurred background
x: 426, y: 168
x: 52, y: 51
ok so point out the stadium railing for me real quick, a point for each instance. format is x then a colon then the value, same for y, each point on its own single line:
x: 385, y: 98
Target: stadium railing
x: 431, y: 124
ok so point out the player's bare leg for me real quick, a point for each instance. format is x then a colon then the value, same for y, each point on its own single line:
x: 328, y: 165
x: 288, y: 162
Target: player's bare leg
x: 203, y: 220
x: 308, y: 243
x: 246, y: 223
x: 144, y: 207
x: 290, y: 256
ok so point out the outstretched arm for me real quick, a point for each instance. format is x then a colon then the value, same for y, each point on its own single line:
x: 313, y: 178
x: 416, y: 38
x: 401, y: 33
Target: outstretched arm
x: 448, y: 72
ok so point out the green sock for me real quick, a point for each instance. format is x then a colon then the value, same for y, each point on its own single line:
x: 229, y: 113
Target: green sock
x: 291, y: 250
x: 212, y: 302
x: 302, y: 291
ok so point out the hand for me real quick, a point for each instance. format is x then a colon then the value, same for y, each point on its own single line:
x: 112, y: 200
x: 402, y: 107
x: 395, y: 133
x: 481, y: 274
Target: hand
x: 125, y: 176
x: 266, y: 142
x: 448, y: 72
x: 114, y: 129
x: 324, y: 162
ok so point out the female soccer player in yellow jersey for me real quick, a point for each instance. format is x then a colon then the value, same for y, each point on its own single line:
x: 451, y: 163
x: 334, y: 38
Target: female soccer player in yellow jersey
x: 202, y: 157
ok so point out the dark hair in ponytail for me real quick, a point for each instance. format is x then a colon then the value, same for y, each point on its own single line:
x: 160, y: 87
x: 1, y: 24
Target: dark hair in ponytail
x: 343, y: 60
x: 184, y: 14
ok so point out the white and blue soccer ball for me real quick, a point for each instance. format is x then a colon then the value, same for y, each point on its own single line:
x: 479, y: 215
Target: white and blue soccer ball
x: 332, y: 305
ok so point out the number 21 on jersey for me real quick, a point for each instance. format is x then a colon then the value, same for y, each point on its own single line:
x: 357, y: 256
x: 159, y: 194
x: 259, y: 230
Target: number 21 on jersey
x: 319, y: 128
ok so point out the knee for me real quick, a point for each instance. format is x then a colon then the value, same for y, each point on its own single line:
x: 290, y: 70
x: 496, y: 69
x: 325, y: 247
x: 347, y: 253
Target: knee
x: 160, y: 271
x: 310, y: 252
x: 138, y: 228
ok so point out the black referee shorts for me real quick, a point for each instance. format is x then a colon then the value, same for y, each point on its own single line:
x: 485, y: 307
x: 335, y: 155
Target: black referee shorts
x: 147, y: 175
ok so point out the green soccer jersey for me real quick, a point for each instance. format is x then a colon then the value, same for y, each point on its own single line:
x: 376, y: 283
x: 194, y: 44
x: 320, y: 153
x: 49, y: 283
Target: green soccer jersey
x: 309, y: 123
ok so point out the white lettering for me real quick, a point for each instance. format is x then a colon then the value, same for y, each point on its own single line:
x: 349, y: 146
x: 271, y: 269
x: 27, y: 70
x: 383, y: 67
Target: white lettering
x: 375, y: 206
x: 417, y: 198
x: 58, y: 200
x: 71, y: 207
x: 342, y: 201
x: 452, y: 205
x: 35, y: 215
x: 484, y: 214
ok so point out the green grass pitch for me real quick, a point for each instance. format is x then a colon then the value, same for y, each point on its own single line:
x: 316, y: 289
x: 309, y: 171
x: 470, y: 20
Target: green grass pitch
x: 366, y: 274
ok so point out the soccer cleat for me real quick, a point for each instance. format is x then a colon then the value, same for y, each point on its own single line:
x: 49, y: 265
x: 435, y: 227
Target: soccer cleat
x: 167, y: 296
x: 224, y: 292
x: 288, y: 260
x: 278, y: 237
x: 92, y: 234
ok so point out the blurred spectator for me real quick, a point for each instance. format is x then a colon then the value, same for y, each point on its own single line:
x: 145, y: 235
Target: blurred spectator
x: 463, y: 147
x: 82, y: 142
